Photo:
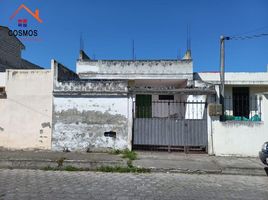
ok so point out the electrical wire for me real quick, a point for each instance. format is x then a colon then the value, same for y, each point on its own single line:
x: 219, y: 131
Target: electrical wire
x: 247, y: 37
x: 251, y: 31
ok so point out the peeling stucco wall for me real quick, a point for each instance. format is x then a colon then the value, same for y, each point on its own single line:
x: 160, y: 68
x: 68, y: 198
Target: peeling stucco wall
x: 2, y: 79
x: 84, y: 109
x: 79, y: 123
x: 86, y: 87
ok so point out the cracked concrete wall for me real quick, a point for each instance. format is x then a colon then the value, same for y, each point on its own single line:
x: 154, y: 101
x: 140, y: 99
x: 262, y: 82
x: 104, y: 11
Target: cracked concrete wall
x: 138, y: 69
x: 26, y: 112
x: 89, y: 86
x: 66, y: 83
x: 84, y: 109
x: 79, y: 123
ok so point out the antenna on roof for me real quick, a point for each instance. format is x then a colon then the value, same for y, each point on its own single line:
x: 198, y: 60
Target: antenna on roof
x: 133, y: 50
x: 81, y: 42
x: 188, y: 55
x: 188, y: 37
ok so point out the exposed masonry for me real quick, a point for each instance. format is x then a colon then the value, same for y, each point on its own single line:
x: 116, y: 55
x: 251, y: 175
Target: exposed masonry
x: 67, y: 82
x: 90, y: 87
x: 82, y: 130
x: 84, y: 109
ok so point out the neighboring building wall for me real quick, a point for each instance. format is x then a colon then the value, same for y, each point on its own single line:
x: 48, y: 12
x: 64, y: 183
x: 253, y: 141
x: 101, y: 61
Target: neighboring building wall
x: 10, y: 52
x: 84, y: 109
x: 26, y: 112
x: 235, y: 78
x: 2, y: 79
x: 10, y: 49
x: 242, y: 138
x: 239, y: 138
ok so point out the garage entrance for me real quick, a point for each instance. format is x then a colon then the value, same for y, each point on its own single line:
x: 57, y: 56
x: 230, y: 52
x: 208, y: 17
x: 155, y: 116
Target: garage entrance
x: 169, y: 124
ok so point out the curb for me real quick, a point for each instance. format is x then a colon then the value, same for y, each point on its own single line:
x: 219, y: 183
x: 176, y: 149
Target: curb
x: 41, y: 164
x: 227, y: 171
x: 93, y: 165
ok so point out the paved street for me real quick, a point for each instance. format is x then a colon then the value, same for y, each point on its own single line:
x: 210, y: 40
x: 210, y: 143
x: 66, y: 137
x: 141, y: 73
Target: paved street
x: 37, y: 184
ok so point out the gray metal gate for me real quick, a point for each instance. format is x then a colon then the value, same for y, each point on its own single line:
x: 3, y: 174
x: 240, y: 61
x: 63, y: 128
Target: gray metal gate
x: 172, y: 130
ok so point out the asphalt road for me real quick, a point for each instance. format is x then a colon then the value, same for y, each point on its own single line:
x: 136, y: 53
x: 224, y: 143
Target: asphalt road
x: 37, y: 184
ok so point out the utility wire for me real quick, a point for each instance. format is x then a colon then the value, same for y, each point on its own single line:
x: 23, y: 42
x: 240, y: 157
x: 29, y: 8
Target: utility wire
x: 246, y: 37
x: 251, y: 31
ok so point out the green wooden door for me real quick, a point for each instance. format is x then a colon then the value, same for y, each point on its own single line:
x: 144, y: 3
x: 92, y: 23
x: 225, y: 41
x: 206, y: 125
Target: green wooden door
x: 143, y: 106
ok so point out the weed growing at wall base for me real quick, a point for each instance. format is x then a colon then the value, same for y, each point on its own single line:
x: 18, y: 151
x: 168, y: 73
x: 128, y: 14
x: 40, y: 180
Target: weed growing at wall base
x: 131, y: 155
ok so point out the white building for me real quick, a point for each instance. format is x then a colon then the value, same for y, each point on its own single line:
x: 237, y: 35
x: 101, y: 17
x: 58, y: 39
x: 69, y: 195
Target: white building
x: 116, y: 97
x: 25, y: 98
x: 246, y: 111
x: 118, y: 104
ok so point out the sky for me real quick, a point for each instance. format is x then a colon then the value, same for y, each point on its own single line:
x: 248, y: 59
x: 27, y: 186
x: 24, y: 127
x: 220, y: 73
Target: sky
x: 158, y: 27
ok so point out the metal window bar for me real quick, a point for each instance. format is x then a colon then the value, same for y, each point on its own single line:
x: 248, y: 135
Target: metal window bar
x: 243, y: 108
x: 172, y: 109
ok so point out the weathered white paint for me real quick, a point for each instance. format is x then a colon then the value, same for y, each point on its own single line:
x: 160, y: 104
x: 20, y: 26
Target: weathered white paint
x: 80, y: 123
x: 158, y: 69
x: 26, y: 113
x: 112, y: 105
x: 2, y: 79
x: 236, y: 78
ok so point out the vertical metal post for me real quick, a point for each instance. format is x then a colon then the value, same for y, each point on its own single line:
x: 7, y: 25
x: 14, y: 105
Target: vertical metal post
x: 222, y: 77
x: 169, y: 129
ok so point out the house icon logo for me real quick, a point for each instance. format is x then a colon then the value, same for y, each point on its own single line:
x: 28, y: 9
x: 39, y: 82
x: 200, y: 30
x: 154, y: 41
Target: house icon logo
x: 23, y: 26
x: 34, y: 14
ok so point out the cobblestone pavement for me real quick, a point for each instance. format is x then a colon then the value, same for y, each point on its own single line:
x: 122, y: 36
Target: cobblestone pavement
x: 37, y: 184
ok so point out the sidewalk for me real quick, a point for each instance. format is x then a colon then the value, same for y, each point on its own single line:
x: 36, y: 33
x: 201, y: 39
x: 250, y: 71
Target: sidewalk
x: 199, y: 163
x: 156, y: 161
x: 42, y: 159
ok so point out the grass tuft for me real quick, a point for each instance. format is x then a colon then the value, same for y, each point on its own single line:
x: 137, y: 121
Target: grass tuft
x: 116, y: 151
x: 131, y: 155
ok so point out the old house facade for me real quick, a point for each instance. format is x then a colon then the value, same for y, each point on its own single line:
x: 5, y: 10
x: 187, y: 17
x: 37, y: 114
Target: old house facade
x: 134, y: 104
x: 116, y: 104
